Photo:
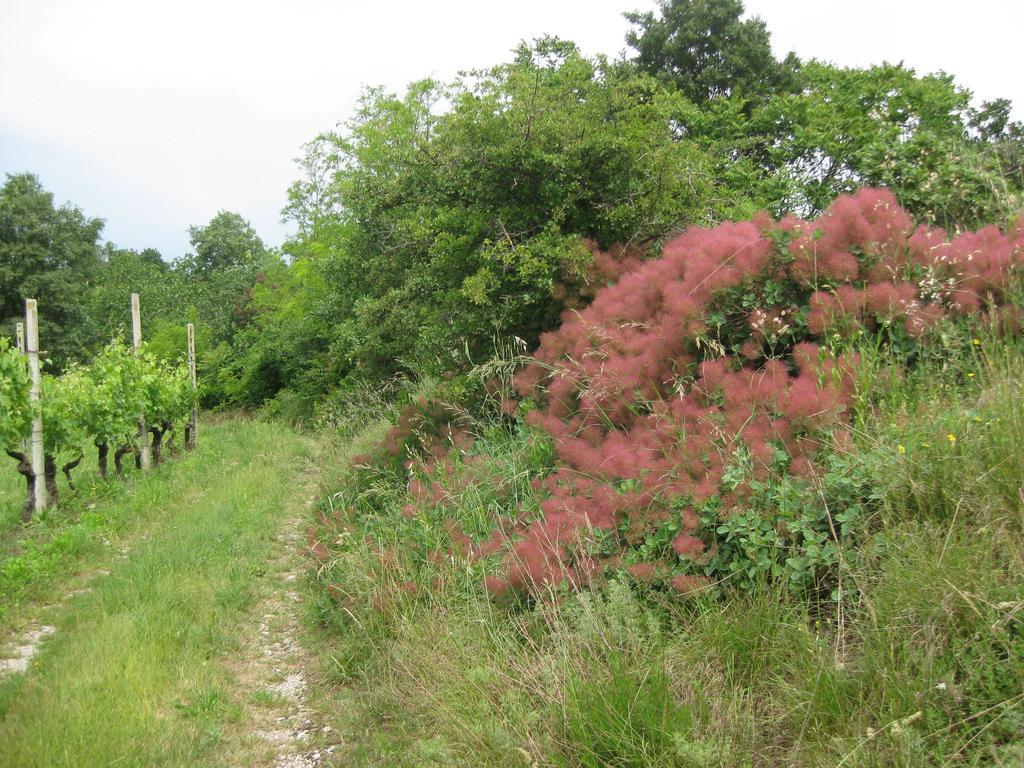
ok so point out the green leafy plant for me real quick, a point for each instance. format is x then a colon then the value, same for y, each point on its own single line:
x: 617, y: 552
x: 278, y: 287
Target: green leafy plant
x: 116, y: 401
x: 101, y: 403
x: 65, y: 405
x: 15, y: 411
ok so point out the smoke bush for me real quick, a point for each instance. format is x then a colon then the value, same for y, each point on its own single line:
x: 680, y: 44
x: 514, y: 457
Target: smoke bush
x: 701, y: 375
x: 689, y: 405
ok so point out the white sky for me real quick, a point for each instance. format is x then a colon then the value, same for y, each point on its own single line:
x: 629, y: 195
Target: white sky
x: 154, y: 116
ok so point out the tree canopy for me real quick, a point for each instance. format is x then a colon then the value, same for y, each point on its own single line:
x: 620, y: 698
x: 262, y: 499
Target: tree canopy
x: 50, y: 254
x: 227, y: 242
x: 706, y: 50
x: 437, y: 229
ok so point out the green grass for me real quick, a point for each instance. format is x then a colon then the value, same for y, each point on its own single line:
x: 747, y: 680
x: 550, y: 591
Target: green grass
x: 34, y: 555
x: 12, y: 495
x: 137, y: 671
x: 13, y: 491
x: 919, y: 663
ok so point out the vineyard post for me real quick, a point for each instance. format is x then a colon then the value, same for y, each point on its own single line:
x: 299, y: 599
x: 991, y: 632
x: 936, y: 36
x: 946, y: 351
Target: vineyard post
x: 137, y: 341
x: 193, y: 419
x: 19, y: 334
x: 32, y: 350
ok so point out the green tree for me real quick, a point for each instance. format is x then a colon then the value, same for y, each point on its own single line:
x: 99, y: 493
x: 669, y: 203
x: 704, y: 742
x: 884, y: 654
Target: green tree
x: 217, y: 278
x: 227, y: 242
x: 275, y: 350
x: 50, y: 254
x: 885, y: 126
x: 435, y: 228
x: 449, y: 214
x: 708, y: 51
x: 123, y: 272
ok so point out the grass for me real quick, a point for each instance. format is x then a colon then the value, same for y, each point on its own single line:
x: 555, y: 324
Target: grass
x: 918, y: 663
x: 12, y: 489
x: 34, y: 556
x: 12, y: 494
x: 137, y: 671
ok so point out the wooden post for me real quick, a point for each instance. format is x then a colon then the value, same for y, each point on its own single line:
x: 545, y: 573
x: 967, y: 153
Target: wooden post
x: 137, y: 341
x: 19, y: 334
x: 36, y: 442
x: 193, y: 419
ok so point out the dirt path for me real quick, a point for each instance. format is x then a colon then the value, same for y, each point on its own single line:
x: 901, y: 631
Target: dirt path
x: 178, y: 643
x: 17, y: 653
x: 280, y: 728
x: 18, y: 648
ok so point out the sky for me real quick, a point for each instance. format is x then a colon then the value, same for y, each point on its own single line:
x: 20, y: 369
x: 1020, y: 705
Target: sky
x: 156, y: 115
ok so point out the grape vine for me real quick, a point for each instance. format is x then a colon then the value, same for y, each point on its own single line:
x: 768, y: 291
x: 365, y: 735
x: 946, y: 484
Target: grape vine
x: 99, y: 404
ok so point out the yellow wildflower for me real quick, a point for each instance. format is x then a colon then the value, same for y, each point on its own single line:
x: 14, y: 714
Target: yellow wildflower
x: 901, y: 448
x: 952, y: 438
x: 977, y: 342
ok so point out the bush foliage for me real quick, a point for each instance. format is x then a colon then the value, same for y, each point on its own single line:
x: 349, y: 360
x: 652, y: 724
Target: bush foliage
x: 695, y: 414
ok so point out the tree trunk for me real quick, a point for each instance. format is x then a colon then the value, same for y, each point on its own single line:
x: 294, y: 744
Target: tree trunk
x: 156, y: 443
x: 119, y: 455
x: 66, y: 469
x: 50, y: 474
x: 25, y: 470
x: 170, y: 443
x: 102, y: 449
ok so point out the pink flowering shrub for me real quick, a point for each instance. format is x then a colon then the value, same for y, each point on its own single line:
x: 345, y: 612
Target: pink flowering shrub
x: 683, y: 413
x: 702, y: 374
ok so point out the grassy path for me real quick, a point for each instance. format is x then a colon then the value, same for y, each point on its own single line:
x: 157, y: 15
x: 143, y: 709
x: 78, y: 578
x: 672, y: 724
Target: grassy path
x: 141, y: 668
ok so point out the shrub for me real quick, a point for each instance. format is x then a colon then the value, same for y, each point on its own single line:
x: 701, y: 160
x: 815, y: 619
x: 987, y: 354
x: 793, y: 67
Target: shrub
x: 704, y: 384
x: 698, y: 413
x: 915, y: 665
